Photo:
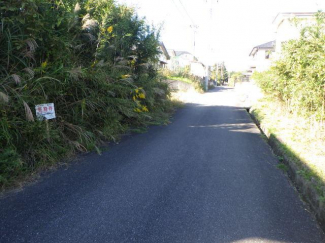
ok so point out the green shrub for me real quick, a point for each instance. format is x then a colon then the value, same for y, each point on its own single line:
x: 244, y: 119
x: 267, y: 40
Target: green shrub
x: 298, y: 77
x: 267, y: 82
x: 92, y: 59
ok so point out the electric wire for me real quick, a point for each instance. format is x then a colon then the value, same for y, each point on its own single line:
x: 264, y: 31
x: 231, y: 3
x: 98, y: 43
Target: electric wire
x: 178, y: 9
x: 187, y: 12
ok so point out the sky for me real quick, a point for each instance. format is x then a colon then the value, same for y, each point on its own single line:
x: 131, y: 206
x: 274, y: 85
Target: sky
x: 227, y: 30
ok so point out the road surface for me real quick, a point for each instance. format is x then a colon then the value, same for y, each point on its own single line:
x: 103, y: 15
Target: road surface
x: 207, y: 177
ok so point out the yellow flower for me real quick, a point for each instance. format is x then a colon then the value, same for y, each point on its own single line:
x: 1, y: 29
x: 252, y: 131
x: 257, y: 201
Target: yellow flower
x: 44, y: 64
x: 145, y: 109
x: 136, y: 90
x: 137, y: 110
x: 94, y: 63
x: 134, y: 98
x: 142, y: 96
x: 110, y: 29
x: 126, y: 76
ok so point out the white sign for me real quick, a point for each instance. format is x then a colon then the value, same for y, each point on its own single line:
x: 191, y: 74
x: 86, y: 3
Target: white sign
x: 45, y: 111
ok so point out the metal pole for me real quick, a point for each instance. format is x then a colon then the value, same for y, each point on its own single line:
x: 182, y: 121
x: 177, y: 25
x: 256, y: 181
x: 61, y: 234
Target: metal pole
x: 209, y: 49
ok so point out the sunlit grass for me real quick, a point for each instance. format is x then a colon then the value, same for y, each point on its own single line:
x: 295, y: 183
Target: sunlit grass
x: 185, y: 80
x: 302, y: 139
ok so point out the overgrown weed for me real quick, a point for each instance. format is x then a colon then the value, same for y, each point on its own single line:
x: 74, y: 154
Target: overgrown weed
x: 95, y: 60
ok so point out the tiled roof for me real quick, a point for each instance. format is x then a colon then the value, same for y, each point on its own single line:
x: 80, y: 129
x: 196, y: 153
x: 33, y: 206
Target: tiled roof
x: 178, y: 53
x: 266, y: 46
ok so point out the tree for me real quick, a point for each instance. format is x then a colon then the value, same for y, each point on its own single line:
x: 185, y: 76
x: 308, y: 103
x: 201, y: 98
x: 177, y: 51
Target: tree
x: 219, y: 72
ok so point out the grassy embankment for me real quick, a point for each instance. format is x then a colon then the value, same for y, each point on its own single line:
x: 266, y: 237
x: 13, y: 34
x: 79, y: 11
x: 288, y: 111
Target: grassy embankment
x: 301, y: 139
x: 94, y: 60
x: 293, y: 111
x: 182, y: 79
x: 299, y: 144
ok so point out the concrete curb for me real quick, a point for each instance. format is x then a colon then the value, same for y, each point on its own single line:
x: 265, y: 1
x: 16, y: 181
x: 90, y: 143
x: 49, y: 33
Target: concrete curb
x: 305, y: 187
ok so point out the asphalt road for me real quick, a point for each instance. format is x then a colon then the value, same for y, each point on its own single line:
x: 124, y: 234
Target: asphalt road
x: 207, y: 177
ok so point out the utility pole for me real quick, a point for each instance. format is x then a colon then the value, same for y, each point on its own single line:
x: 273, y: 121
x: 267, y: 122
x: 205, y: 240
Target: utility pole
x: 194, y: 27
x: 217, y: 72
x: 222, y: 67
x: 209, y: 47
x: 207, y: 76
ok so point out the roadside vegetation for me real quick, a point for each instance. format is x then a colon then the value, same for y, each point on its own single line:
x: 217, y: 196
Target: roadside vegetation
x: 182, y: 79
x: 184, y: 75
x: 293, y: 109
x: 234, y: 78
x: 219, y: 73
x: 93, y: 59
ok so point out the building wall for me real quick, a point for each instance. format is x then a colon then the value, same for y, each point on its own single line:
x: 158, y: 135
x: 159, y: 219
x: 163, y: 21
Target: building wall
x: 288, y: 30
x: 260, y: 61
x: 197, y: 69
x: 264, y: 63
x: 173, y: 63
x: 181, y: 61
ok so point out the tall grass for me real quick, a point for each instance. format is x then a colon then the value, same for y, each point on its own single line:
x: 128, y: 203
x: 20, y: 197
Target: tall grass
x: 92, y: 59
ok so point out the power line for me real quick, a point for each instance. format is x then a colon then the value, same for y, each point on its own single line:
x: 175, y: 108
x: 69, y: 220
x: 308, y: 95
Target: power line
x: 178, y: 9
x: 186, y: 12
x: 193, y: 26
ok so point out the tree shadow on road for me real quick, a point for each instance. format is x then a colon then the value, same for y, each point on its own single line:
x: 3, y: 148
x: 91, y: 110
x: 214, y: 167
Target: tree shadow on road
x: 207, y: 177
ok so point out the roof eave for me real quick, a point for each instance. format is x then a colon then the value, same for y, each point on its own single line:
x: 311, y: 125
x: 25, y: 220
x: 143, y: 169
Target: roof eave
x: 164, y: 50
x: 277, y: 20
x: 255, y: 49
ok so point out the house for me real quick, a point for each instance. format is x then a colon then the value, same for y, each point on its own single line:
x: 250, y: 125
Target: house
x: 172, y: 53
x: 180, y: 59
x: 164, y: 56
x: 197, y: 69
x: 288, y: 26
x: 261, y: 56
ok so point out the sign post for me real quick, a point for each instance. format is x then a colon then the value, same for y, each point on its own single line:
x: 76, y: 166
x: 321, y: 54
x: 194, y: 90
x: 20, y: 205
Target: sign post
x: 45, y: 112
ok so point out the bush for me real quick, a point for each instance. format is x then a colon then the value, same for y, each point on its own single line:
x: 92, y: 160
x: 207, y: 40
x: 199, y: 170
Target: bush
x: 267, y: 82
x: 93, y: 59
x: 298, y: 77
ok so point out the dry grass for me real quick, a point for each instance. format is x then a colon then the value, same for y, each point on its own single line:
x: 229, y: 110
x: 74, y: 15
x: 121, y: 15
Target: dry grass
x: 304, y: 136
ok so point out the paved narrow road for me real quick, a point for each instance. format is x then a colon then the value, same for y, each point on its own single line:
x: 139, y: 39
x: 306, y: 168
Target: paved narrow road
x: 207, y: 177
